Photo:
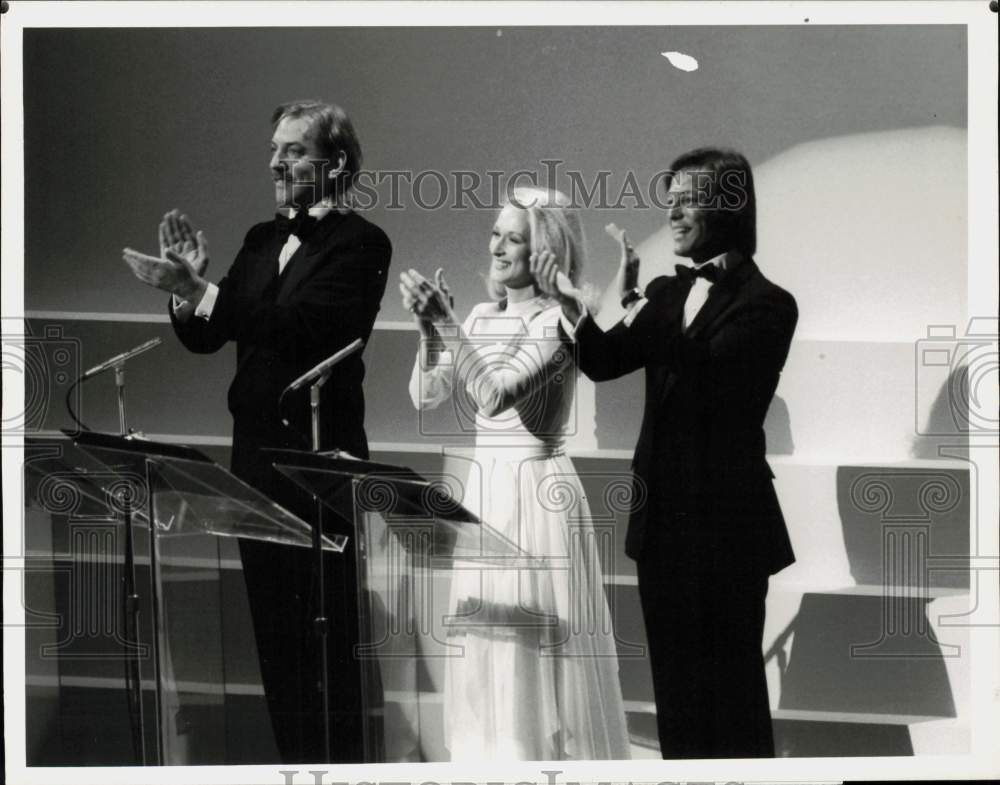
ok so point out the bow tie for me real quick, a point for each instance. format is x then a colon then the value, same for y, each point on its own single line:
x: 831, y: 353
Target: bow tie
x: 301, y: 225
x: 710, y: 272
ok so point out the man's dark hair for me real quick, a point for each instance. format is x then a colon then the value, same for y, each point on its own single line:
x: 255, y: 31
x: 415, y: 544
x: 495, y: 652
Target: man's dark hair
x: 334, y: 133
x: 731, y: 192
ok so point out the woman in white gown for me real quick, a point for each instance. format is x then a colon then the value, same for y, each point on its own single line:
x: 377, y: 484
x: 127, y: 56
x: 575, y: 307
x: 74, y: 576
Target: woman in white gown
x: 537, y: 673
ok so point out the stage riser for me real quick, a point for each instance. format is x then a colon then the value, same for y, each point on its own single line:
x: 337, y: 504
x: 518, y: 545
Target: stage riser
x: 841, y: 406
x: 816, y: 674
x: 836, y: 400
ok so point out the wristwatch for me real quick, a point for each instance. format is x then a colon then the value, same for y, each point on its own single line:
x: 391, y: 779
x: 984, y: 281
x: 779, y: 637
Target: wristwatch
x: 631, y: 296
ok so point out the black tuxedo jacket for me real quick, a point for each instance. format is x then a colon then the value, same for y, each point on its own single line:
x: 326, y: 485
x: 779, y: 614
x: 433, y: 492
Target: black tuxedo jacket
x: 327, y: 295
x: 702, y: 481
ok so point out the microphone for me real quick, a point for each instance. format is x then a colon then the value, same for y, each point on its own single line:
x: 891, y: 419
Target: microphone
x: 325, y: 366
x: 118, y: 359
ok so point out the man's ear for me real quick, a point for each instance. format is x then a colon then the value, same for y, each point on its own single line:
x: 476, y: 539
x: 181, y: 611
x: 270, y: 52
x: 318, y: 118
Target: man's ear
x: 332, y: 171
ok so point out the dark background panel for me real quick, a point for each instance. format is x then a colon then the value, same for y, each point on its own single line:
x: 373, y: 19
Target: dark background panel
x: 124, y: 124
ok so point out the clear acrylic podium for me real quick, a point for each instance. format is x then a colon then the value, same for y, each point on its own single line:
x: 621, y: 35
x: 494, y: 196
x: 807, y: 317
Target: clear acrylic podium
x: 152, y: 599
x: 404, y: 530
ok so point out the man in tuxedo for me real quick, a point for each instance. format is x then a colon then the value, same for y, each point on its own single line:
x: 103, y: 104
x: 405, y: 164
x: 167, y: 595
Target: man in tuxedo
x: 301, y: 287
x: 712, y: 340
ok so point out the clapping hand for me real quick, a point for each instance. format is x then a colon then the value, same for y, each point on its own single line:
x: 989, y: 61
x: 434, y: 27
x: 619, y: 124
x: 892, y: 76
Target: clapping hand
x: 430, y: 303
x: 173, y: 274
x: 550, y: 278
x: 183, y: 260
x: 628, y: 264
x: 177, y: 235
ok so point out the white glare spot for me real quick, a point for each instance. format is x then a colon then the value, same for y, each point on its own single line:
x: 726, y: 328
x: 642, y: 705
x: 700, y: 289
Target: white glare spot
x: 682, y: 61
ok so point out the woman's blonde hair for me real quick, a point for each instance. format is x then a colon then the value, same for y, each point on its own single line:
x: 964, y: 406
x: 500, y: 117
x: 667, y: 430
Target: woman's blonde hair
x: 555, y: 225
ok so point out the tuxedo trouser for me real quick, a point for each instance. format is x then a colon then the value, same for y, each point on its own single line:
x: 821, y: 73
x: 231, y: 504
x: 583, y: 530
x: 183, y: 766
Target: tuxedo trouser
x: 704, y: 618
x: 280, y: 590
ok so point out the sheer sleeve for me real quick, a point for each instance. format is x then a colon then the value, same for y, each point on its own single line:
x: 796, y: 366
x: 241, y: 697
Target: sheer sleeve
x: 536, y: 361
x: 431, y: 384
x: 433, y: 375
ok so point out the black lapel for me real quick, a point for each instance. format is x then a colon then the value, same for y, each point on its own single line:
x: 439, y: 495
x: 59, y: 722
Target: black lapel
x: 308, y: 255
x: 673, y: 307
x: 673, y: 310
x: 265, y: 266
x: 719, y: 297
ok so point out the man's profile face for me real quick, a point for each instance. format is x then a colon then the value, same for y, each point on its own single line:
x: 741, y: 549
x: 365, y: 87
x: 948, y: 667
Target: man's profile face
x: 691, y: 220
x: 297, y: 165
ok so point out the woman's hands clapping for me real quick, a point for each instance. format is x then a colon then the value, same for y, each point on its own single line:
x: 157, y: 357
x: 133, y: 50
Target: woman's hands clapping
x: 430, y: 303
x: 551, y: 280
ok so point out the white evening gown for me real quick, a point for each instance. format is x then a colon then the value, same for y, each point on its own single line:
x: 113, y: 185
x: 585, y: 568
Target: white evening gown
x: 538, y: 676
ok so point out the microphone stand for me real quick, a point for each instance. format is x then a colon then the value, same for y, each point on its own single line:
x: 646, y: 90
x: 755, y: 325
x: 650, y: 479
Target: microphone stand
x: 133, y: 678
x: 131, y: 646
x: 321, y: 373
x: 320, y: 622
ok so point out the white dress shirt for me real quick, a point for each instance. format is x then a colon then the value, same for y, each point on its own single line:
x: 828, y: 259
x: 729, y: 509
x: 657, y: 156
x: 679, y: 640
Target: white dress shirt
x: 697, y: 296
x: 207, y: 303
x: 700, y: 289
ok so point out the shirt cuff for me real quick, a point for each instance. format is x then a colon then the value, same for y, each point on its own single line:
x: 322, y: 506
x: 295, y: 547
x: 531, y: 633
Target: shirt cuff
x: 207, y: 304
x: 633, y: 310
x: 570, y: 328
